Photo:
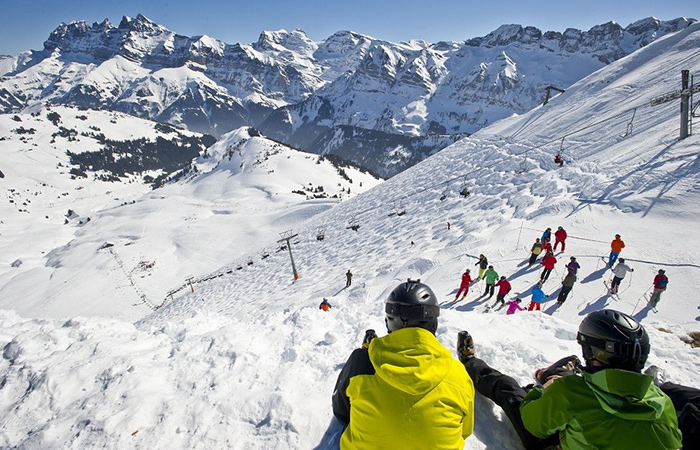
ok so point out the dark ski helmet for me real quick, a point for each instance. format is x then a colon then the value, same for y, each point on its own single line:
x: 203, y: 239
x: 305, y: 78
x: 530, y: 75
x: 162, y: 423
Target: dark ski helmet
x: 614, y: 339
x: 412, y: 304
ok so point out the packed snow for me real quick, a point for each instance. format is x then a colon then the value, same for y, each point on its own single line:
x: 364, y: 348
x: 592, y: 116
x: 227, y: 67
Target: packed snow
x: 245, y: 359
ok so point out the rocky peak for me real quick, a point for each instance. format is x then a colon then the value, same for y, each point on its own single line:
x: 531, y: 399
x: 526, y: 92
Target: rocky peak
x: 282, y: 40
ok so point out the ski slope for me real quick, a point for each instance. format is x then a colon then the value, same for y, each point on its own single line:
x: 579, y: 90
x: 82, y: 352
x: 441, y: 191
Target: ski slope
x: 246, y: 360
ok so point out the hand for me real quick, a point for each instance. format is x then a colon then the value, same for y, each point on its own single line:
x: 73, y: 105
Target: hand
x: 550, y: 380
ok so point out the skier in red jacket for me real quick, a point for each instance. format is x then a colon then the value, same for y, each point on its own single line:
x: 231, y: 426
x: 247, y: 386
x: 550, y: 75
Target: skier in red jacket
x: 547, y: 246
x: 503, y: 289
x: 560, y: 238
x: 466, y: 280
x: 548, y: 262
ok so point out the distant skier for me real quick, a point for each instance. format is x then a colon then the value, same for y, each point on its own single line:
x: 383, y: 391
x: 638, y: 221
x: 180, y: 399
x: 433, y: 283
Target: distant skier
x: 466, y: 280
x: 503, y: 290
x: 660, y: 283
x: 616, y: 247
x: 566, y: 286
x: 535, y: 251
x: 490, y: 276
x: 483, y: 263
x: 449, y: 225
x: 538, y: 296
x: 548, y: 263
x: 573, y: 265
x: 619, y: 271
x: 560, y: 238
x: 547, y: 235
x: 325, y: 305
x: 514, y: 305
x: 348, y: 278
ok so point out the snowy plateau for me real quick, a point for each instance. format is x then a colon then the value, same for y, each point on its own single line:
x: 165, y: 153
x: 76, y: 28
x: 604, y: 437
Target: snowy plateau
x: 171, y: 319
x: 383, y: 105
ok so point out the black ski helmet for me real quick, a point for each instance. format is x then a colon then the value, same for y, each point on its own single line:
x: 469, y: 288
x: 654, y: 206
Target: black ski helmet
x: 614, y: 339
x: 412, y: 304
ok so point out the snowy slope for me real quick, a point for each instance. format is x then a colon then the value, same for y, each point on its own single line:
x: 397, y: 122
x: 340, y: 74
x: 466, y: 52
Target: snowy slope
x: 90, y: 237
x: 248, y: 360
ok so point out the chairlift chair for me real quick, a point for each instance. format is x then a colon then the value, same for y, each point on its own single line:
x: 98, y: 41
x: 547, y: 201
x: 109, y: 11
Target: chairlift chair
x: 354, y: 226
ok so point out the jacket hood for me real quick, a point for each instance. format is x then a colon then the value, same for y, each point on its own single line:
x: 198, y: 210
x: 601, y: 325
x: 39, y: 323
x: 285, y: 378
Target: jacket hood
x: 410, y: 359
x: 629, y: 395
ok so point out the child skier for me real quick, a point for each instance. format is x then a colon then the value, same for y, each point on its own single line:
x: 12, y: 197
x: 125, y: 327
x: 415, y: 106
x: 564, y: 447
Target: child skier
x: 547, y: 246
x: 514, y: 305
x: 466, y: 280
x: 538, y: 296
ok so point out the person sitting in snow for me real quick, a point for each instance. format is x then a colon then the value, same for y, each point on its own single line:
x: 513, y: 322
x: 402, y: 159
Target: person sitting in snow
x: 606, y: 404
x: 404, y: 388
x: 325, y: 305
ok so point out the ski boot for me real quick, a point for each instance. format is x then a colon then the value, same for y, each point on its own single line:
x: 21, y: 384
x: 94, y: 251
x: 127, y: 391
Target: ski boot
x: 369, y: 335
x: 465, y: 346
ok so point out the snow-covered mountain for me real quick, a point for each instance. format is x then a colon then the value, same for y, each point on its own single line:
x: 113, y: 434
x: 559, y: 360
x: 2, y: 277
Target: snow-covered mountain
x: 78, y: 198
x: 352, y: 95
x: 246, y: 360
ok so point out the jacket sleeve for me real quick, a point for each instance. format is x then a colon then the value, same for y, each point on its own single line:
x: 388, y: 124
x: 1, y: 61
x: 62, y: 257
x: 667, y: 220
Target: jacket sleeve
x: 546, y: 411
x: 358, y: 364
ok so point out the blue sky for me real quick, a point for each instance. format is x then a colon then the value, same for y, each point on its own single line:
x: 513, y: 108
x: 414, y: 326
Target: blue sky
x: 26, y: 24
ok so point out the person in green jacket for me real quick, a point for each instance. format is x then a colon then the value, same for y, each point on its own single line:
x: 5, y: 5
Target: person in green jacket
x: 405, y: 391
x: 607, y: 404
x: 490, y: 276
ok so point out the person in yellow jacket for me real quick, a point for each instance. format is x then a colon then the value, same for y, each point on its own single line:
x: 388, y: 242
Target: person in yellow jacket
x: 405, y: 391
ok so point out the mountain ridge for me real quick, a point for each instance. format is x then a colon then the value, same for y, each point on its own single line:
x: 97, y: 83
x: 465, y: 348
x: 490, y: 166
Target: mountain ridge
x: 300, y: 91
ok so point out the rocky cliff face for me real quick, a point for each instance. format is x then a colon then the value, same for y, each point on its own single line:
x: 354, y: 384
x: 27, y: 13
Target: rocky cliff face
x: 311, y: 94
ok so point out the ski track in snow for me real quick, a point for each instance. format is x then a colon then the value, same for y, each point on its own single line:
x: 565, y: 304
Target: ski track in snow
x: 248, y: 360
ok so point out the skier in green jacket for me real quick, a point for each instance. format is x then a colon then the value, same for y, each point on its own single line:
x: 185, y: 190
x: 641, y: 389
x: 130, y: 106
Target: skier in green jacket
x: 490, y: 276
x: 606, y: 405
